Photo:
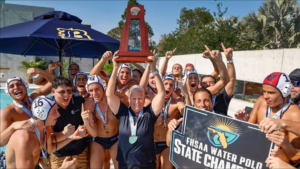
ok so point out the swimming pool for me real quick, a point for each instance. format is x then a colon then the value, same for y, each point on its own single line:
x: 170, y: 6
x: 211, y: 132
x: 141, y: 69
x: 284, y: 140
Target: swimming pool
x: 6, y: 100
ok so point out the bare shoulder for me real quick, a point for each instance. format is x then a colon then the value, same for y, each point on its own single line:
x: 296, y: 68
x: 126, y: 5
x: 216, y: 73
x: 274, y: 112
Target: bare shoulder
x: 7, y: 112
x: 23, y: 139
x: 292, y: 113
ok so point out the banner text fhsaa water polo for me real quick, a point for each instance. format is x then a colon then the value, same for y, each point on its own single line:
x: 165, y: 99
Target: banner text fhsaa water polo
x: 215, y: 158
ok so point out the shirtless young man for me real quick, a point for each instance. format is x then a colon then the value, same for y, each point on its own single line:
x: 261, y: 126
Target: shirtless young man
x: 172, y: 109
x: 123, y: 79
x: 79, y: 82
x: 24, y: 147
x: 275, y: 104
x: 12, y: 116
x: 106, y: 124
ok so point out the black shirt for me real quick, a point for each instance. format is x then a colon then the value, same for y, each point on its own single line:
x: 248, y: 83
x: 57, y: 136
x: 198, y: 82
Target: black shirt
x: 221, y: 103
x: 70, y: 115
x: 142, y: 151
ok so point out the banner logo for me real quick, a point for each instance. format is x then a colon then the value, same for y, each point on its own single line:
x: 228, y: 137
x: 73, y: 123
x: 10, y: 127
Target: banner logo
x: 71, y: 33
x: 222, y: 133
x: 135, y: 11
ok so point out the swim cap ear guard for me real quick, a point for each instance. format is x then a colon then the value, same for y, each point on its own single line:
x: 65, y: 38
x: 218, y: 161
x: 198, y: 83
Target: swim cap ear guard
x: 281, y: 82
x: 169, y: 77
x: 67, y: 70
x: 184, y: 79
x: 13, y: 79
x: 124, y: 65
x: 41, y: 107
x: 95, y: 79
x: 80, y: 73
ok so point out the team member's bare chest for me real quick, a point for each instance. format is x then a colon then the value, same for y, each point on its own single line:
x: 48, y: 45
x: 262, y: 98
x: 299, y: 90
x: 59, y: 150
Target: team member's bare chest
x: 107, y: 125
x: 161, y: 125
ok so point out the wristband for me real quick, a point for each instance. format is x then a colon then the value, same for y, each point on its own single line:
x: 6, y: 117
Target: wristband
x: 230, y: 61
x: 154, y: 72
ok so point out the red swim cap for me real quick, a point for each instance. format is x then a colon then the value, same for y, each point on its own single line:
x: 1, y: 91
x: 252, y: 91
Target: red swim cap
x: 281, y: 82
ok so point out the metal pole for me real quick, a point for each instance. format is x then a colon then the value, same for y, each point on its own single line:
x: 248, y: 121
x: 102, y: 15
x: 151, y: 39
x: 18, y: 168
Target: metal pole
x: 60, y: 55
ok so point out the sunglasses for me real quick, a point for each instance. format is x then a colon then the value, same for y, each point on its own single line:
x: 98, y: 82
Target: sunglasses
x: 62, y: 92
x: 295, y: 83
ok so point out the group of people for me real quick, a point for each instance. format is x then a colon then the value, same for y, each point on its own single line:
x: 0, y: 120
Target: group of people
x: 129, y: 116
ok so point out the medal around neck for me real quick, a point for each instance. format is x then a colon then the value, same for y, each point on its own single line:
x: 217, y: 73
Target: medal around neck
x: 133, y: 139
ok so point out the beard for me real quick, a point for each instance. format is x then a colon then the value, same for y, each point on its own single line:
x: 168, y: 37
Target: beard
x: 295, y: 99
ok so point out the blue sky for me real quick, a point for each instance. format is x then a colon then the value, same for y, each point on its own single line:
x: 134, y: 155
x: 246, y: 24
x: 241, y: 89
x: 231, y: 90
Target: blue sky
x: 161, y: 15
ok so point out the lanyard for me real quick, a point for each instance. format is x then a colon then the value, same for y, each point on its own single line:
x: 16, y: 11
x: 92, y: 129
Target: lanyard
x: 166, y: 109
x: 279, y: 113
x: 132, y: 125
x: 123, y: 88
x: 100, y: 113
x: 150, y: 89
x: 23, y: 107
x: 37, y: 132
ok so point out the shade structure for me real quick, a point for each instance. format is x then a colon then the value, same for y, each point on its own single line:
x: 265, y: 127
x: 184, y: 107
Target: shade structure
x: 55, y: 33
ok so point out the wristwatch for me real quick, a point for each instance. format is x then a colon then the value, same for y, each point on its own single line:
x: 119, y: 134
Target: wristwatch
x: 230, y: 61
x: 154, y: 72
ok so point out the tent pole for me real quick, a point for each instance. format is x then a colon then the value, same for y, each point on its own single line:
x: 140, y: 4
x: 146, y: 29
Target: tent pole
x: 60, y: 55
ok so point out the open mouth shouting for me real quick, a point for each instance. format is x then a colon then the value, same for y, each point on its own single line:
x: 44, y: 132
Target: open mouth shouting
x: 18, y: 93
x: 124, y: 80
x: 193, y: 85
x: 81, y: 87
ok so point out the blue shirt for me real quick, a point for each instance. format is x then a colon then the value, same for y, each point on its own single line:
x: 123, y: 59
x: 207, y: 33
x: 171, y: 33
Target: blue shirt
x: 221, y: 103
x: 142, y: 151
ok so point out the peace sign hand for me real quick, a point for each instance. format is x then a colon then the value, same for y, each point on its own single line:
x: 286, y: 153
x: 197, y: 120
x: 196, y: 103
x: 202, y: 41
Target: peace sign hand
x: 228, y: 52
x: 169, y: 54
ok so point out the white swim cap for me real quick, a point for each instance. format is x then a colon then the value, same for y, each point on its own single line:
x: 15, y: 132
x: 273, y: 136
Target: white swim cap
x: 189, y: 73
x: 80, y: 73
x: 124, y: 65
x: 95, y: 79
x: 169, y: 77
x: 67, y: 70
x: 13, y: 79
x: 281, y: 82
x: 41, y: 107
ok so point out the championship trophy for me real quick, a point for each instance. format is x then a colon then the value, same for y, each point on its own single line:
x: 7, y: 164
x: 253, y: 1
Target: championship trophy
x: 134, y: 45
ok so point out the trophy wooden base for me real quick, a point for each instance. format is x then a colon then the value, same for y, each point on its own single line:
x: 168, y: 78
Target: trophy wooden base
x: 133, y: 57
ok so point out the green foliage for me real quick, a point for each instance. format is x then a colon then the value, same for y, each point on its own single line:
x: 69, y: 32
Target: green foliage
x: 275, y: 25
x: 38, y: 63
x: 108, y: 68
x: 66, y: 63
x: 115, y: 33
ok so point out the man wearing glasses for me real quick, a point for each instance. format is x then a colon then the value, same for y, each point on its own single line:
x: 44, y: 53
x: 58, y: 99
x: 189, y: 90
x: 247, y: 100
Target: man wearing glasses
x: 69, y: 107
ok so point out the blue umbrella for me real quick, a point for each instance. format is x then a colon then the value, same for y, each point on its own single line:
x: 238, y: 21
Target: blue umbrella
x: 55, y: 34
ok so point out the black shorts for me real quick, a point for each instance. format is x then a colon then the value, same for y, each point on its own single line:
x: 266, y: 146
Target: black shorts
x: 106, y: 142
x: 160, y: 146
x: 137, y: 166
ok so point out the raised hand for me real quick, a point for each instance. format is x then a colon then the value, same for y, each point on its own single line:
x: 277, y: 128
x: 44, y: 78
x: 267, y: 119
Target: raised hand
x: 69, y: 164
x: 215, y: 54
x: 68, y: 130
x: 153, y: 52
x: 242, y: 115
x: 206, y: 53
x: 169, y: 54
x: 85, y: 114
x: 107, y: 56
x: 25, y: 124
x: 116, y: 64
x: 174, y: 123
x: 54, y: 65
x: 33, y: 71
x: 153, y: 63
x: 228, y: 52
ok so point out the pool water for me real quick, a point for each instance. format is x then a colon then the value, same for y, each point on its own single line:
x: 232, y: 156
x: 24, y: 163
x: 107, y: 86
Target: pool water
x: 6, y: 100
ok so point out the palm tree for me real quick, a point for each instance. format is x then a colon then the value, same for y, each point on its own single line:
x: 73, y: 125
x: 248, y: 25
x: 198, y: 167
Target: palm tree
x: 276, y: 22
